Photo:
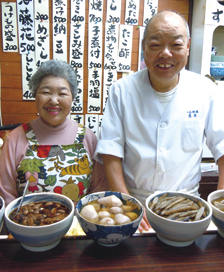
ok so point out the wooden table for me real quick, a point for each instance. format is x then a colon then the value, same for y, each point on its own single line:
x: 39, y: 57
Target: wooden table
x: 142, y: 252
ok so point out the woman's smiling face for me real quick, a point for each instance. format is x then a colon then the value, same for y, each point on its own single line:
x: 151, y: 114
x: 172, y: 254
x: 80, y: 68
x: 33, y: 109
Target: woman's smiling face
x: 53, y: 100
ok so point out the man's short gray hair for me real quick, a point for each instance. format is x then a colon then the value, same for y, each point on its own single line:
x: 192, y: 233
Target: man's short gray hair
x: 150, y: 20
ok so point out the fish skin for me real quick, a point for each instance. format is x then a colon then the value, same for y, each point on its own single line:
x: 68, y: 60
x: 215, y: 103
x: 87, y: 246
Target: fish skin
x: 199, y: 213
x: 180, y: 208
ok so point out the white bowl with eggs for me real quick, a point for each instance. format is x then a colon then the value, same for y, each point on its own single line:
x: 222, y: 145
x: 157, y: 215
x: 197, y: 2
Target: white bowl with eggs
x: 40, y: 238
x: 102, y: 233
x: 177, y: 233
x: 217, y: 214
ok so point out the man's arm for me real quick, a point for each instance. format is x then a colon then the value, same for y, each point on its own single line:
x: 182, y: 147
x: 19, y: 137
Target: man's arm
x: 220, y: 163
x: 114, y: 172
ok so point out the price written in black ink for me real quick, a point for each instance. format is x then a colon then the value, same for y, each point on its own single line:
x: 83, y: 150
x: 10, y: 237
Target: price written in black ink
x: 110, y: 67
x: 76, y: 64
x: 78, y: 18
x: 122, y: 67
x: 113, y: 19
x: 95, y: 65
x: 94, y: 109
x: 9, y: 47
x: 131, y: 21
x: 28, y: 95
x: 76, y: 108
x: 42, y: 17
x: 94, y: 19
x: 27, y: 47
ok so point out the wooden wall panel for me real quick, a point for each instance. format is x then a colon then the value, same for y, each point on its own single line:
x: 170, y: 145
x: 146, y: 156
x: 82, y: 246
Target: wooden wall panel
x: 15, y: 110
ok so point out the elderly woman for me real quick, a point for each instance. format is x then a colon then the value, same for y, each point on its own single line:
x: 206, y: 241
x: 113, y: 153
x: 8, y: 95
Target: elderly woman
x: 52, y: 152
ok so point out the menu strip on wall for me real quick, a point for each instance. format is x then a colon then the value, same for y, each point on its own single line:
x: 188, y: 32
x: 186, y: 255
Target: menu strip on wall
x: 110, y: 76
x: 92, y: 122
x: 79, y: 118
x: 150, y: 9
x: 113, y: 12
x: 25, y: 18
x: 77, y: 33
x: 42, y: 32
x: 132, y: 12
x: 9, y: 27
x: 111, y: 46
x: 95, y: 33
x: 94, y: 91
x: 77, y: 103
x: 60, y: 30
x: 214, y: 13
x: 28, y: 69
x: 125, y: 48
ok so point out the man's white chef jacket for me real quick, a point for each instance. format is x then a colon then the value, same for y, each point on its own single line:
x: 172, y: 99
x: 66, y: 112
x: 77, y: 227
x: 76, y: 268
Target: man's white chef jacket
x: 162, y: 150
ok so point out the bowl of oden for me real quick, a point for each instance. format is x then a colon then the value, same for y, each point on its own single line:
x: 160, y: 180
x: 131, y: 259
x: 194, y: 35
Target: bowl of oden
x: 216, y: 200
x: 178, y: 218
x: 2, y: 210
x: 109, y: 217
x: 42, y: 221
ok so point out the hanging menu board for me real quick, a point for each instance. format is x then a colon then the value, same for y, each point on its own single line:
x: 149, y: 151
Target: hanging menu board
x: 25, y: 16
x: 110, y: 76
x: 125, y: 48
x: 92, y: 122
x: 9, y: 27
x: 77, y: 34
x: 99, y: 49
x: 77, y: 103
x: 132, y: 12
x: 42, y: 31
x: 60, y: 30
x: 113, y: 12
x: 95, y: 33
x: 28, y: 69
x: 94, y: 91
x: 150, y: 9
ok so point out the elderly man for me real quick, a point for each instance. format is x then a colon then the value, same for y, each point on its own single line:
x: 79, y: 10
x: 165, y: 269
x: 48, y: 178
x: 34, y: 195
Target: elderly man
x: 156, y: 119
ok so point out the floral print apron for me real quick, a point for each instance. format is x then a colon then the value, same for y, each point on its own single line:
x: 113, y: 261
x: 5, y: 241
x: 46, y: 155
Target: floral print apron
x: 63, y: 169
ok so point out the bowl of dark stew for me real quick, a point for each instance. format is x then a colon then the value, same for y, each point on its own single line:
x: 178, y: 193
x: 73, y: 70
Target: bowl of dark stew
x: 42, y: 221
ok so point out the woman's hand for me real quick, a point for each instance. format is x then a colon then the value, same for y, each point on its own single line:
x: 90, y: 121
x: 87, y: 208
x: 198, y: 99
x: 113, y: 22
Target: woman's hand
x: 144, y: 225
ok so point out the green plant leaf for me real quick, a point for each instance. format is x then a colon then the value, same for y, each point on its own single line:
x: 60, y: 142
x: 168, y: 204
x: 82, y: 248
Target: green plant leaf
x: 50, y: 180
x: 31, y: 165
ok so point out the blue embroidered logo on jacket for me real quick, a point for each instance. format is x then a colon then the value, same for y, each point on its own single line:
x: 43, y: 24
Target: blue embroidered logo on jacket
x: 192, y: 114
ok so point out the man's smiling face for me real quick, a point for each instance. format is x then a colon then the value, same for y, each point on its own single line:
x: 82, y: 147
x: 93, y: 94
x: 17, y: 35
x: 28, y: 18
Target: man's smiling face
x: 166, y: 49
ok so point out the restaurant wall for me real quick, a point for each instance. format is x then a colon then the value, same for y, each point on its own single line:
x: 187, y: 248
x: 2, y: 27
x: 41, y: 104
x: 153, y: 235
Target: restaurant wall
x: 16, y: 110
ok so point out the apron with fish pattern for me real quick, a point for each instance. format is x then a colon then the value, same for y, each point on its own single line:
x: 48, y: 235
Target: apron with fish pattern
x: 63, y: 169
